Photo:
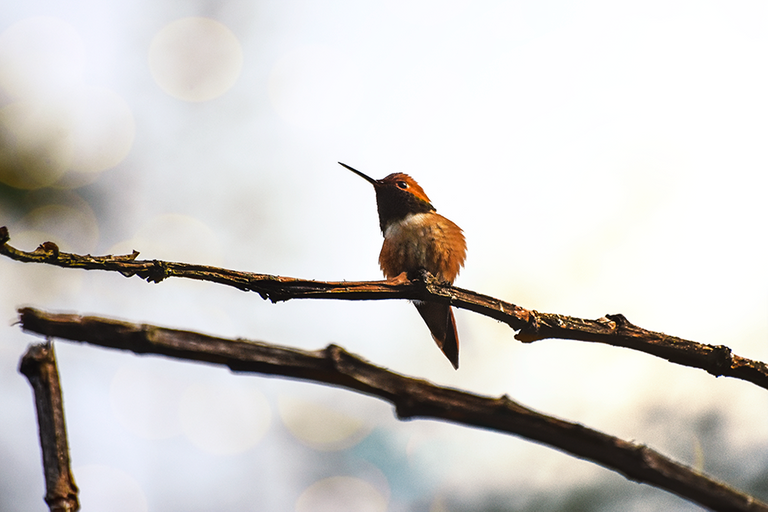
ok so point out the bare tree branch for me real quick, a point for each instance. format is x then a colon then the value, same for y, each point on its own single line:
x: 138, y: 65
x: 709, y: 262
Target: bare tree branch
x: 38, y: 365
x: 613, y: 330
x: 412, y: 398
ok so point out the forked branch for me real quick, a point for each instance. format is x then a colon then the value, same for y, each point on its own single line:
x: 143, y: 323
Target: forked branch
x: 412, y: 398
x: 532, y: 325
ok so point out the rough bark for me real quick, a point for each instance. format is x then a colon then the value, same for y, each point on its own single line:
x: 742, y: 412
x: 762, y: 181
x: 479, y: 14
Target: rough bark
x: 411, y: 398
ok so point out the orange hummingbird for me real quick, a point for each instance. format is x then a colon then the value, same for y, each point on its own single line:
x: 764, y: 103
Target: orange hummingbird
x: 417, y: 238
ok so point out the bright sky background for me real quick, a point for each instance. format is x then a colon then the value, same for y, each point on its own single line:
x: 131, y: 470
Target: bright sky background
x: 601, y: 157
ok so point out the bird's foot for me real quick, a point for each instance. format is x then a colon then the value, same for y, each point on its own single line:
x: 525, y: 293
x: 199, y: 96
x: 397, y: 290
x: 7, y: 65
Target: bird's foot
x: 399, y: 279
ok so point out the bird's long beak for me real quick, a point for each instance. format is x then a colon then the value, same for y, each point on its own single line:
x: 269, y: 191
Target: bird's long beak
x: 364, y: 176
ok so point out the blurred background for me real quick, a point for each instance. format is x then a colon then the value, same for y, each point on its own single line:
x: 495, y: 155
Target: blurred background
x: 601, y: 157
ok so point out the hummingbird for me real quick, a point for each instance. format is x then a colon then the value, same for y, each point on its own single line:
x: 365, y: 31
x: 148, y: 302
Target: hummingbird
x: 417, y: 238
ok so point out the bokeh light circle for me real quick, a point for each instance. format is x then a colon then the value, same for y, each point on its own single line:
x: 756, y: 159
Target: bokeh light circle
x: 57, y: 126
x: 341, y: 494
x: 195, y: 59
x: 103, y: 129
x: 84, y: 129
x: 319, y: 426
x: 224, y: 418
x: 74, y: 228
x: 35, y: 149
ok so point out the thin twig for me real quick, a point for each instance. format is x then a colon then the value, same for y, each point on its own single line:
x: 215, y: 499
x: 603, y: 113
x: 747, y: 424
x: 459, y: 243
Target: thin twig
x: 613, y: 330
x: 38, y: 365
x: 412, y: 398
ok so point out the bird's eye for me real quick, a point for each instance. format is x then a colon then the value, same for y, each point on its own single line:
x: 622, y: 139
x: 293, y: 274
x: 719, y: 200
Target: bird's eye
x: 402, y: 185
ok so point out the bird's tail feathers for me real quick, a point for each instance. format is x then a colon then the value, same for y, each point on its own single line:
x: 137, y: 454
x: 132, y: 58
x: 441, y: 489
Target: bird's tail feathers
x: 439, y: 318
